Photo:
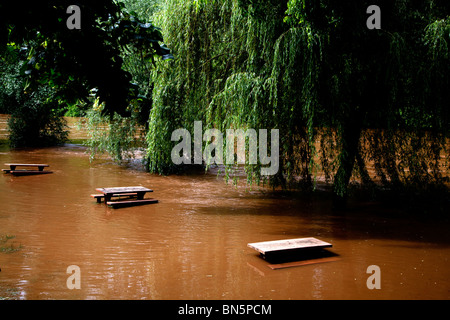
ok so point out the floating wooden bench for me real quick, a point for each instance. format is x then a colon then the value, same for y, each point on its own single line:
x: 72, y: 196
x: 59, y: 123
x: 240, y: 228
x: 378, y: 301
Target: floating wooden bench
x: 281, y: 249
x: 117, y: 204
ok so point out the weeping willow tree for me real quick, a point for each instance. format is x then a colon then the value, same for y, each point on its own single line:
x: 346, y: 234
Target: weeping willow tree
x: 221, y: 51
x: 348, y: 101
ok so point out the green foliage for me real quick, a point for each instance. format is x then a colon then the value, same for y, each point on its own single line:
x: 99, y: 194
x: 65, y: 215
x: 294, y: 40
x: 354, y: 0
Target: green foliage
x: 215, y: 54
x: 236, y: 68
x: 143, y: 9
x: 77, y: 109
x: 35, y: 115
x: 37, y: 121
x: 119, y: 137
x: 59, y: 69
x: 344, y: 98
x: 385, y: 81
x: 75, y: 61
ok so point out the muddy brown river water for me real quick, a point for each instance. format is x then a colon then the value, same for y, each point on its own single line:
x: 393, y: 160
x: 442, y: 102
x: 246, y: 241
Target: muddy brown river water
x: 193, y: 243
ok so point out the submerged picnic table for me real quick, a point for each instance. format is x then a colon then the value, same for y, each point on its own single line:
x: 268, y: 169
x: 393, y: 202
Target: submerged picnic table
x: 132, y: 192
x: 294, y: 252
x: 12, y: 168
x: 274, y: 250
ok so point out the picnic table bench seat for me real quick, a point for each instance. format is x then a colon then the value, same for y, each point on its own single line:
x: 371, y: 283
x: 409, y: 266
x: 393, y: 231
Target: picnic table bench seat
x: 27, y: 172
x: 117, y: 204
x: 100, y: 196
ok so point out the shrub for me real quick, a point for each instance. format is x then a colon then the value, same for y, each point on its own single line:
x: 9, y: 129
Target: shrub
x: 36, y: 121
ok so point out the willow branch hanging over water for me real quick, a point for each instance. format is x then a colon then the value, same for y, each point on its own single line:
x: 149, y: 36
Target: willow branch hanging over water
x: 348, y: 101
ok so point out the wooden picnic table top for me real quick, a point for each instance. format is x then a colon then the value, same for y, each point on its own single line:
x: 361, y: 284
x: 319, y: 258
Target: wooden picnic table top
x: 289, y: 244
x: 119, y: 190
x: 27, y: 164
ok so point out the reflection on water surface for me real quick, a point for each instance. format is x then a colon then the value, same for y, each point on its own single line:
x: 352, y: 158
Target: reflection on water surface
x: 193, y: 243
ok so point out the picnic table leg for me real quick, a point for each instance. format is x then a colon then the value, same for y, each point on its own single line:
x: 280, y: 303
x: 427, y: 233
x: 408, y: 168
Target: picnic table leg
x: 41, y: 168
x: 107, y: 197
x: 12, y: 168
x: 140, y: 195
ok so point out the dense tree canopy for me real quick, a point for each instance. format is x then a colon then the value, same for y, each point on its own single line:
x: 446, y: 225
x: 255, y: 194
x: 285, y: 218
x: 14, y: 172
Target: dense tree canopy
x: 77, y: 60
x: 53, y: 66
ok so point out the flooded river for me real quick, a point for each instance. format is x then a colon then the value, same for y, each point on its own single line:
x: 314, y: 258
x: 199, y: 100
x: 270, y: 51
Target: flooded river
x: 193, y: 243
